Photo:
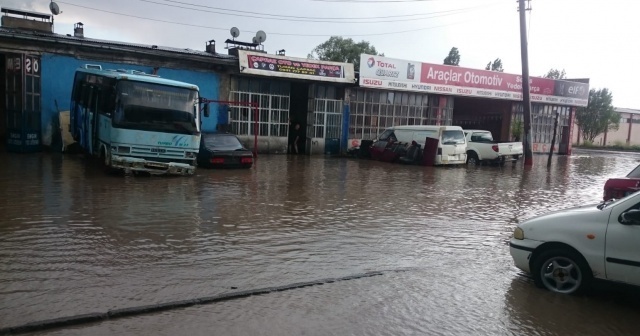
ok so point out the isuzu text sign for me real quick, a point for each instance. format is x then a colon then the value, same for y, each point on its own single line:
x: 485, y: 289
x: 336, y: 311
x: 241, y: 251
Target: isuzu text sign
x: 388, y: 73
x: 291, y: 67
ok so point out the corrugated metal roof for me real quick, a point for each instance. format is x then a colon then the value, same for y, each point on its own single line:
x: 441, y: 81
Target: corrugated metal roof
x: 627, y: 110
x: 97, y: 42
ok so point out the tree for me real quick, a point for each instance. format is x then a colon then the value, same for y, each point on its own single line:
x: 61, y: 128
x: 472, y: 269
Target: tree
x: 556, y: 74
x: 599, y: 116
x: 339, y: 49
x: 495, y: 66
x: 453, y: 58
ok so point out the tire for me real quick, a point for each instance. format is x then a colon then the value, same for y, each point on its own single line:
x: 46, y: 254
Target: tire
x: 562, y: 270
x: 105, y: 161
x: 472, y: 159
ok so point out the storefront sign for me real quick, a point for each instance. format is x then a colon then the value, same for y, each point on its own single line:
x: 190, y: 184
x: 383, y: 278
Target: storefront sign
x: 291, y: 67
x: 383, y: 72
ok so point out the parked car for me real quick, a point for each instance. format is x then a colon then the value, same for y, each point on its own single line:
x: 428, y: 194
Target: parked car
x: 218, y: 150
x: 622, y: 186
x: 565, y: 250
x: 482, y: 148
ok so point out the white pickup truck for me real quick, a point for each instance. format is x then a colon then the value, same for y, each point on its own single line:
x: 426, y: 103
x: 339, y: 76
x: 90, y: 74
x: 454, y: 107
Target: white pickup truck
x: 481, y: 148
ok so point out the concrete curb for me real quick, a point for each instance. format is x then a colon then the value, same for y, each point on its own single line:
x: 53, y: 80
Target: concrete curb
x: 133, y: 311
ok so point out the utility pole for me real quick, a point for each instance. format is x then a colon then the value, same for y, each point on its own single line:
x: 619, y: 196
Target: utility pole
x: 526, y: 89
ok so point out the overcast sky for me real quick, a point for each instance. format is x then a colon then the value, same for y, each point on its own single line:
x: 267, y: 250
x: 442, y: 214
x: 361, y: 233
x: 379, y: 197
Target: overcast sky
x: 588, y: 38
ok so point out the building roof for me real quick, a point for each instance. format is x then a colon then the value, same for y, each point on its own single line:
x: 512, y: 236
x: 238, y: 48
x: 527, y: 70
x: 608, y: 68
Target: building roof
x: 627, y: 110
x: 124, y: 46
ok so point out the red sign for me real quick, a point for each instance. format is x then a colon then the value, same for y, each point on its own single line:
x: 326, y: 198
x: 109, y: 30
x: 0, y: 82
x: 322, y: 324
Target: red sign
x: 384, y: 72
x: 483, y: 79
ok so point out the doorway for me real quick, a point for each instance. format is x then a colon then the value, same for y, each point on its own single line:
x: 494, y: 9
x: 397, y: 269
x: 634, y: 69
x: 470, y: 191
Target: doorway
x: 22, y: 102
x: 483, y: 114
x: 298, y: 112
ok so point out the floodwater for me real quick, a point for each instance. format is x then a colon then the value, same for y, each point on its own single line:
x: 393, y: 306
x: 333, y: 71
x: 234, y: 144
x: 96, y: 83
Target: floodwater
x: 75, y: 241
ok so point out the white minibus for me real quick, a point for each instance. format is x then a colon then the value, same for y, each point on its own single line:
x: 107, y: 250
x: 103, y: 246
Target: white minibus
x: 452, y: 145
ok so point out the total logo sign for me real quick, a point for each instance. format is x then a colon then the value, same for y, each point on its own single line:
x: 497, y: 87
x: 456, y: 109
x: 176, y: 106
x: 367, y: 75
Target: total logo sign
x: 383, y: 69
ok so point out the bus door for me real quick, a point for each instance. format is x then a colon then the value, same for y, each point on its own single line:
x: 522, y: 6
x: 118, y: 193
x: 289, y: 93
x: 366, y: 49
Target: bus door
x: 22, y: 102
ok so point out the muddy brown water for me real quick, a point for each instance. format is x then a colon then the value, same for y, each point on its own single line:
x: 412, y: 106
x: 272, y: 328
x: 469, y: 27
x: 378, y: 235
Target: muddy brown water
x: 73, y: 241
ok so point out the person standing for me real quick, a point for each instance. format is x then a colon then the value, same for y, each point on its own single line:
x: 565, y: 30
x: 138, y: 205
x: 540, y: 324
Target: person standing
x: 297, y: 134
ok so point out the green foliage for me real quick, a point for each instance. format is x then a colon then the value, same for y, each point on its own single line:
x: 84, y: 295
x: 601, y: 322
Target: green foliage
x: 495, y: 66
x: 517, y: 128
x: 556, y: 74
x: 599, y: 115
x: 340, y: 49
x: 453, y: 58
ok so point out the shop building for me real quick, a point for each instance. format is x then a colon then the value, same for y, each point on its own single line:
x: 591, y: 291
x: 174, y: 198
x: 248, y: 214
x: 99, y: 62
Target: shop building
x: 628, y: 132
x: 399, y: 92
x: 38, y: 68
x: 288, y: 89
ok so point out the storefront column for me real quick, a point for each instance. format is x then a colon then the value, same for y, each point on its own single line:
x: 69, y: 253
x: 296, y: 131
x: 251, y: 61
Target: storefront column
x: 344, y: 139
x: 630, y: 127
x: 572, y: 118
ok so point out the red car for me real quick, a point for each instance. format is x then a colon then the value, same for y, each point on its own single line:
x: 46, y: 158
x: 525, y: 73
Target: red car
x: 622, y: 186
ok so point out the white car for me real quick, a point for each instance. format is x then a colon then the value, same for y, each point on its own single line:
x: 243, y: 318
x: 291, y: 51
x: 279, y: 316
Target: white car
x: 565, y: 250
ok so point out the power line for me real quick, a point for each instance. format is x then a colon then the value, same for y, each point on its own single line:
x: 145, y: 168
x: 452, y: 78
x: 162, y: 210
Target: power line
x: 310, y: 17
x: 313, y: 20
x: 372, y: 1
x: 248, y: 31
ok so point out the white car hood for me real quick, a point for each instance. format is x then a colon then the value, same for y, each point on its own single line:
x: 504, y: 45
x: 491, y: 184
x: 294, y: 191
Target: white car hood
x: 577, y: 215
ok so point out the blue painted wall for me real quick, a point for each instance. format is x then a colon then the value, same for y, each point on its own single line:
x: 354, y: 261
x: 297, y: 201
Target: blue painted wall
x: 57, y: 81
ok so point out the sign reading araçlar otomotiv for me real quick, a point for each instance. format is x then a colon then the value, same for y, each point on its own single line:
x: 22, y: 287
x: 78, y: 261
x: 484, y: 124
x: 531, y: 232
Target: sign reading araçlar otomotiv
x: 389, y: 73
x: 291, y: 67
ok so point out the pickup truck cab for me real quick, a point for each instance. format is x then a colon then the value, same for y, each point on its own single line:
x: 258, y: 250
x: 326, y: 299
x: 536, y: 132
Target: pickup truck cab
x: 481, y: 148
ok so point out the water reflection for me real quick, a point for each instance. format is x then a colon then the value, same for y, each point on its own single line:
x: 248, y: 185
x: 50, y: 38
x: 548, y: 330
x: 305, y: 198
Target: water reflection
x: 73, y: 240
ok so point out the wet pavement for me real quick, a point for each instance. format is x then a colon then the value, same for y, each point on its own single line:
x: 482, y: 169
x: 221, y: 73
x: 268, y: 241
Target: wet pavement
x: 74, y: 241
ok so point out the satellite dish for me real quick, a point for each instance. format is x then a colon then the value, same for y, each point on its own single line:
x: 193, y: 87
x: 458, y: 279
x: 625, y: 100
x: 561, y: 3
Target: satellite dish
x: 255, y: 40
x: 261, y: 36
x: 53, y: 7
x: 235, y: 32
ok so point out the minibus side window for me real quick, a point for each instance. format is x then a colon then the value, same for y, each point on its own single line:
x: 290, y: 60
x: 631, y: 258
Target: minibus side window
x: 385, y: 135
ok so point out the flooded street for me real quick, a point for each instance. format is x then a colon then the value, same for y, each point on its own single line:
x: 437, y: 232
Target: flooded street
x: 74, y: 240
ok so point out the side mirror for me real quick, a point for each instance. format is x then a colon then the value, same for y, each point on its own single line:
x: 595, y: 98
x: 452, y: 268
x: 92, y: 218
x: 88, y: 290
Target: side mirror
x: 631, y: 217
x: 206, y: 111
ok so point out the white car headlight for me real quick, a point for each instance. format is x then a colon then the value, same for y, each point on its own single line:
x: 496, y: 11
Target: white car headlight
x: 518, y: 233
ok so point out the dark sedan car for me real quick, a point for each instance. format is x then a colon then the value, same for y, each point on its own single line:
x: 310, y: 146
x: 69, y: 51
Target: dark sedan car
x: 221, y: 150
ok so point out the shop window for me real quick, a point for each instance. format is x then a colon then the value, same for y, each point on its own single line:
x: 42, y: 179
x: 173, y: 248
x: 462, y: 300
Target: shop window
x: 384, y: 109
x: 273, y: 113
